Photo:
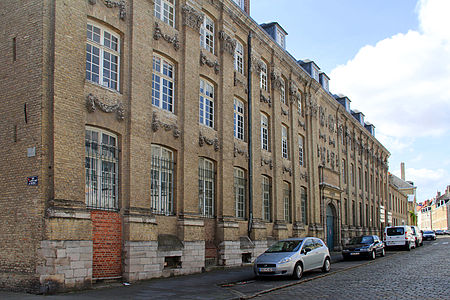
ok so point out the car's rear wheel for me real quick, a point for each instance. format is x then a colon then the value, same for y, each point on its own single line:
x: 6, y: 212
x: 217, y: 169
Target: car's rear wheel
x: 326, y: 265
x: 298, y: 271
x: 373, y: 255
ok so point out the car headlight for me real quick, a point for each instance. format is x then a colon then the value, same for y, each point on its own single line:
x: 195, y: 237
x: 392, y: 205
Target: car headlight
x: 285, y: 260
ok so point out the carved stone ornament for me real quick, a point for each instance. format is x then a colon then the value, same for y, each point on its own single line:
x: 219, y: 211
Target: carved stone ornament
x: 239, y: 151
x: 276, y: 80
x: 293, y: 92
x: 258, y: 65
x: 322, y: 111
x: 211, y: 142
x: 322, y: 136
x: 240, y: 79
x: 212, y: 64
x: 304, y: 176
x: 156, y: 124
x: 263, y: 99
x: 287, y: 169
x: 284, y: 112
x: 331, y: 123
x: 192, y: 18
x: 228, y: 44
x: 331, y: 141
x: 111, y: 4
x: 311, y: 106
x: 265, y: 161
x: 157, y: 34
x: 92, y: 102
x: 301, y: 124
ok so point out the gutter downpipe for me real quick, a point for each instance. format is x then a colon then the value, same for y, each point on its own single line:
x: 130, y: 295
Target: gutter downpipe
x: 249, y: 109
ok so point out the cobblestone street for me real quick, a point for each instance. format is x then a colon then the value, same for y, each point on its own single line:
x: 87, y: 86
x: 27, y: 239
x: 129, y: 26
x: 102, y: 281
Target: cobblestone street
x: 423, y: 273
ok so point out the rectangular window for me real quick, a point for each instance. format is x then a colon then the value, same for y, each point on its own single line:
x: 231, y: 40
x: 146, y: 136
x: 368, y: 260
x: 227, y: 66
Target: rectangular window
x: 164, y: 10
x: 360, y: 177
x: 304, y: 198
x: 344, y: 172
x: 361, y: 214
x: 300, y: 150
x: 207, y: 34
x: 162, y: 84
x: 284, y: 142
x: 287, y: 202
x: 366, y: 180
x: 281, y: 39
x: 238, y: 119
x: 206, y: 182
x: 102, y: 57
x: 239, y: 192
x: 282, y: 91
x: 206, y: 108
x: 353, y: 213
x: 264, y: 132
x: 101, y: 167
x: 239, y: 58
x: 266, y: 201
x: 352, y: 174
x: 299, y: 106
x: 161, y: 184
x: 263, y: 76
x: 240, y: 3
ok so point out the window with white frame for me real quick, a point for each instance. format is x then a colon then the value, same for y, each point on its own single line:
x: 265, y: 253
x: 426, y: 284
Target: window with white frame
x: 266, y: 201
x: 240, y: 3
x: 239, y: 192
x: 239, y: 58
x: 263, y: 76
x: 207, y: 34
x: 164, y: 10
x: 206, y: 182
x: 101, y: 169
x: 161, y: 176
x: 238, y: 119
x: 303, y: 199
x: 281, y: 38
x: 206, y: 108
x: 264, y: 132
x: 300, y: 150
x: 287, y: 202
x: 284, y: 142
x: 299, y: 105
x: 282, y: 91
x: 344, y: 171
x: 102, y: 56
x: 162, y: 83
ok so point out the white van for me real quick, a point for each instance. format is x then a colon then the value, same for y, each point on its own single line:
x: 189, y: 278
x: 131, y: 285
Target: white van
x: 399, y: 236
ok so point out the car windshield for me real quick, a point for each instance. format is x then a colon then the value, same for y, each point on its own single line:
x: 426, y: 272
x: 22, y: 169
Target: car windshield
x: 361, y: 240
x: 284, y: 246
x: 395, y: 231
x: 428, y: 231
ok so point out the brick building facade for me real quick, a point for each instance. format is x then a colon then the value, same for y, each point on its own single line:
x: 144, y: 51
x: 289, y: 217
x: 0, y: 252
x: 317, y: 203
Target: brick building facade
x: 149, y: 138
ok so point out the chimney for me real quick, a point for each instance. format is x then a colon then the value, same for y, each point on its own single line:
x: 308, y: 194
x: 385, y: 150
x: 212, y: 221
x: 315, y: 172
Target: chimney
x: 402, y: 167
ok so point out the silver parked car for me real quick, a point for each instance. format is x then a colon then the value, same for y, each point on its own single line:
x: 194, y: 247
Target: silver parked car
x: 291, y: 257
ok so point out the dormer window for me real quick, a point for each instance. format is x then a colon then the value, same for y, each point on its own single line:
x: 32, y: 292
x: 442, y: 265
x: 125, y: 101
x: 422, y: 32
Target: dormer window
x: 314, y: 72
x: 240, y: 3
x: 281, y: 38
x: 324, y: 81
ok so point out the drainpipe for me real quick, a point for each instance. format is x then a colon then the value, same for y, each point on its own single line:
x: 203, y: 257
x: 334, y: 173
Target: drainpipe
x: 249, y: 109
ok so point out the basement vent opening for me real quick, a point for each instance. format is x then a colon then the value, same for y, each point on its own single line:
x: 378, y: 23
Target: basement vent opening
x: 246, y: 258
x: 172, y: 262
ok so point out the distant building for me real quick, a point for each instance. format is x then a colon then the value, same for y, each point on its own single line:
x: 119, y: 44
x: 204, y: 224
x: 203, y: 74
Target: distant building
x: 434, y: 214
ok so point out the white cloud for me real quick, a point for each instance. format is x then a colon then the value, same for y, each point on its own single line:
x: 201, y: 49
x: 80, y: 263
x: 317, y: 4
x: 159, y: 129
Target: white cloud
x: 402, y: 83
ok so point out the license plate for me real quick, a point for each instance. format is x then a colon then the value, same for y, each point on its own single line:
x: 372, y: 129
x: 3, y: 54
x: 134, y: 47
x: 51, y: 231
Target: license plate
x: 265, y: 270
x: 354, y: 253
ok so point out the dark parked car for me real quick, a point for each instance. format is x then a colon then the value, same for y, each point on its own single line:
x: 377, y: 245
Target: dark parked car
x: 368, y: 246
x: 439, y: 232
x: 429, y: 235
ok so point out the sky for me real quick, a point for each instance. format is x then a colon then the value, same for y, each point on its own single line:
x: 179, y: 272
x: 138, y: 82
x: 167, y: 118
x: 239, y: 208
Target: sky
x: 392, y: 59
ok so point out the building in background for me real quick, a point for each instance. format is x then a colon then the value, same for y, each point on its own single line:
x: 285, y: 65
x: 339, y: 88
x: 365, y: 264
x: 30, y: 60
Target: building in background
x: 434, y: 214
x: 149, y: 138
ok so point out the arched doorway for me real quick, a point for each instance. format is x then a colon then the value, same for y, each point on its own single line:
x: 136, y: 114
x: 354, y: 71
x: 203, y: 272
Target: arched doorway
x: 330, y: 226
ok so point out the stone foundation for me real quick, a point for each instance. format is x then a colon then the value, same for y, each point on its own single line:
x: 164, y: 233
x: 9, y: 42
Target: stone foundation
x: 64, y: 265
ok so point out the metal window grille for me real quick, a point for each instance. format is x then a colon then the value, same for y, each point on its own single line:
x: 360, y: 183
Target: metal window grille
x: 162, y: 179
x: 101, y: 167
x: 304, y: 199
x: 240, y: 184
x: 287, y: 202
x: 266, y: 199
x: 206, y: 182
